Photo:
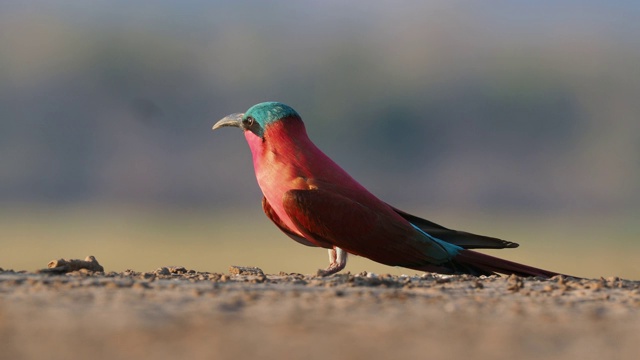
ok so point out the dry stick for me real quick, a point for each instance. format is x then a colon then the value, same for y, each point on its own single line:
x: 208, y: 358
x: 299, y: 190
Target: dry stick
x: 62, y: 266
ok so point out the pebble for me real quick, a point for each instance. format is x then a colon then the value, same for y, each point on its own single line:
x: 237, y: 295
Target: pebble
x: 163, y: 271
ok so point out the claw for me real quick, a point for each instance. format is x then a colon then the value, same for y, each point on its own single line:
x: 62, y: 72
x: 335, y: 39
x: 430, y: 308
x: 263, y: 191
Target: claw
x: 337, y: 262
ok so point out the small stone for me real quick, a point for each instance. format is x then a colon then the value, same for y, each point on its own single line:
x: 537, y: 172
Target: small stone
x: 259, y: 279
x: 560, y: 279
x: 148, y: 276
x: 477, y: 284
x: 514, y: 283
x: 245, y: 270
x: 214, y: 277
x: 162, y: 271
x: 177, y: 269
x: 129, y: 273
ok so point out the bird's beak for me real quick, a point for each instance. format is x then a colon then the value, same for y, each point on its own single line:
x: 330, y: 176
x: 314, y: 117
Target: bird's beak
x: 234, y: 120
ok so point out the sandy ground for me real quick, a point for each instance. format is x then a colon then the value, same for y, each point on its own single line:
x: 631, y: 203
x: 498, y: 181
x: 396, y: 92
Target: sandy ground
x: 175, y: 313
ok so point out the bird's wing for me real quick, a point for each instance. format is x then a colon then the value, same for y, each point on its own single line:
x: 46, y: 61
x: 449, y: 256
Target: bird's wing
x: 271, y: 214
x: 378, y: 234
x: 463, y: 239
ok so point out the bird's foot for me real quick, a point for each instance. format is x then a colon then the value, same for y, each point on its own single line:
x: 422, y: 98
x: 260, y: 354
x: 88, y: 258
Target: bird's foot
x: 332, y: 269
x: 337, y: 262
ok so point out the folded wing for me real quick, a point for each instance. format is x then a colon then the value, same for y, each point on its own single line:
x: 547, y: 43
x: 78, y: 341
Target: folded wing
x: 376, y: 233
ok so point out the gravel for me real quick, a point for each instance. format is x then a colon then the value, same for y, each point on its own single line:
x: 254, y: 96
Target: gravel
x: 175, y: 313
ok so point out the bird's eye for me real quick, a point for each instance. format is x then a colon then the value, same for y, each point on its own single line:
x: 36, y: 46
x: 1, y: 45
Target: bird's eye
x: 248, y: 122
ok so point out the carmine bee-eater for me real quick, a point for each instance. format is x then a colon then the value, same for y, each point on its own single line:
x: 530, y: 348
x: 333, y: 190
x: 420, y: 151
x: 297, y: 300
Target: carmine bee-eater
x: 316, y: 203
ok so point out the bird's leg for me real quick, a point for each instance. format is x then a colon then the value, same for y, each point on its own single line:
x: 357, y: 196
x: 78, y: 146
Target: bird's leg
x: 337, y: 262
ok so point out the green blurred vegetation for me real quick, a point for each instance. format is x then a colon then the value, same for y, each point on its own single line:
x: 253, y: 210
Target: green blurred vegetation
x: 532, y: 106
x: 524, y: 108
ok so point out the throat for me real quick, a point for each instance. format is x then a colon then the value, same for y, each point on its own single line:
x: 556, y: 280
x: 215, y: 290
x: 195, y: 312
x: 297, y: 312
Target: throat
x: 283, y: 145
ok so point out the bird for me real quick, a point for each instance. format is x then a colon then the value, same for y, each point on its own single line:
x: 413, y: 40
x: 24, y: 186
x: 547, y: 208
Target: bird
x: 316, y: 203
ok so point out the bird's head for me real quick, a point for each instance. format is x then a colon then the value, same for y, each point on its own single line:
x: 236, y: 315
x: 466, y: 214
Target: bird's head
x: 258, y: 118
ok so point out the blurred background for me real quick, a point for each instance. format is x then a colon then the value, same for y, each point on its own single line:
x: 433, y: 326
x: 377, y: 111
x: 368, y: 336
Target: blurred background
x: 520, y: 120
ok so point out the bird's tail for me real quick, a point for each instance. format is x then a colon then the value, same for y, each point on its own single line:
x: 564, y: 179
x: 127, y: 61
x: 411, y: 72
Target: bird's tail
x: 475, y: 263
x: 468, y: 261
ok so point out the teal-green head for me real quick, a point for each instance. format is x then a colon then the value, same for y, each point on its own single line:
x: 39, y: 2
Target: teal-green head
x: 258, y: 117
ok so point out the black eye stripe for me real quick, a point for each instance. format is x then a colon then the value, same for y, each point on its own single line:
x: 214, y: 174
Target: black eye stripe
x: 249, y: 121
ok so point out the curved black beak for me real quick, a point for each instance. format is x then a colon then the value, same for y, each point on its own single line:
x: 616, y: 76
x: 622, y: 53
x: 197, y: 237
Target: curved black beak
x: 234, y: 120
